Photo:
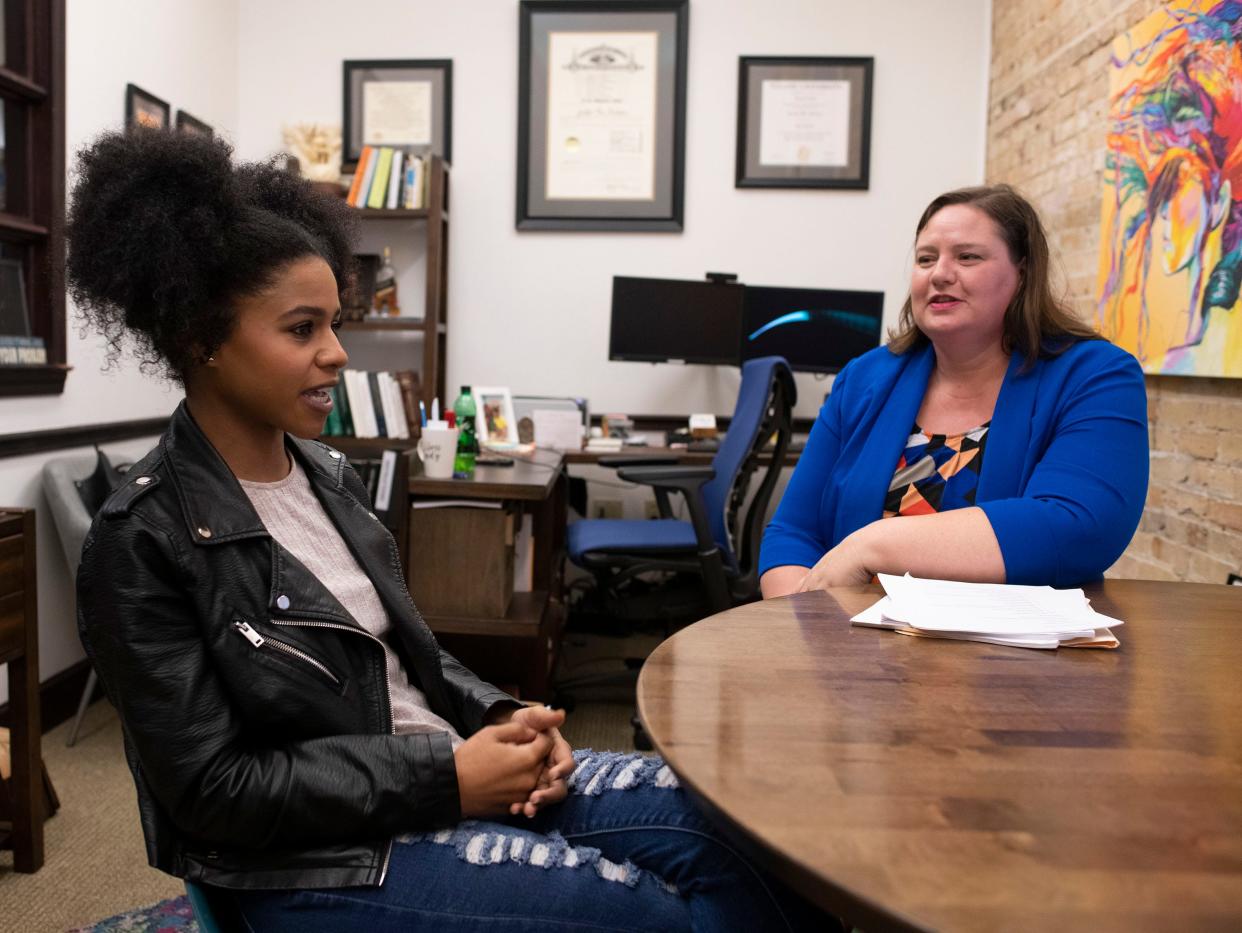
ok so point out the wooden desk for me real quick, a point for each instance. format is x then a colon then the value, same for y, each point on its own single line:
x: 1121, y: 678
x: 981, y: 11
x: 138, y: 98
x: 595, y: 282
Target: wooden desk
x: 682, y: 455
x: 521, y: 647
x: 908, y: 783
x: 19, y: 648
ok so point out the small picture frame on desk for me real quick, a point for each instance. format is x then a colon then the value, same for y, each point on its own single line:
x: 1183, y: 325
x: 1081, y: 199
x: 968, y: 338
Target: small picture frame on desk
x: 494, y: 422
x: 804, y: 122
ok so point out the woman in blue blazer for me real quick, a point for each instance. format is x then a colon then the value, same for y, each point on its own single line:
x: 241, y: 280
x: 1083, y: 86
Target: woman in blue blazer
x: 996, y: 438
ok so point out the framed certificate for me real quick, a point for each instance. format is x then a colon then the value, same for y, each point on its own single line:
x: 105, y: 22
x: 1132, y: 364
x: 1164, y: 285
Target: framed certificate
x: 601, y: 114
x: 406, y: 104
x: 804, y: 122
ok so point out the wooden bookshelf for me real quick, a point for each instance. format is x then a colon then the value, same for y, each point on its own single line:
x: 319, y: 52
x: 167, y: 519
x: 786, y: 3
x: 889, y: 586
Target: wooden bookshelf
x: 434, y: 323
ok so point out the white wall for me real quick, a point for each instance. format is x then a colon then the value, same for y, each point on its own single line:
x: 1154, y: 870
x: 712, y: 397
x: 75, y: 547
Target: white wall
x: 530, y: 310
x: 186, y: 53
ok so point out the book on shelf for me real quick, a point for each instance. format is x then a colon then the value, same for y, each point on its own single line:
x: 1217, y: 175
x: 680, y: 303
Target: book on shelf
x: 379, y: 184
x: 409, y: 387
x: 389, y: 178
x: 368, y: 173
x: 373, y: 405
x: 415, y: 194
x: 22, y: 351
x: 360, y: 173
x: 377, y: 404
x: 394, y: 180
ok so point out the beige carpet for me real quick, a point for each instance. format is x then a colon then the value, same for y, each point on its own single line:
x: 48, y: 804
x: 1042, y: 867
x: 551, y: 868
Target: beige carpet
x: 96, y: 864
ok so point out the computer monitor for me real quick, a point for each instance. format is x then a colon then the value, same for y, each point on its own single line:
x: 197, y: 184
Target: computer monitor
x: 656, y: 320
x: 817, y: 330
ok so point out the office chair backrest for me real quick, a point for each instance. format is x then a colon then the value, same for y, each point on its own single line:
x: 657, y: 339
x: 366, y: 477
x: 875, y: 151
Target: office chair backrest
x: 764, y: 405
x: 61, y: 477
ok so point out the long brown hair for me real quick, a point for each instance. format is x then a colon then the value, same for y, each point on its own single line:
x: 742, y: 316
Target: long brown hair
x: 1036, y: 323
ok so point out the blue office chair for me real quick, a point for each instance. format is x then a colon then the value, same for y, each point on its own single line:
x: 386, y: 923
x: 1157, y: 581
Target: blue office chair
x: 718, y: 543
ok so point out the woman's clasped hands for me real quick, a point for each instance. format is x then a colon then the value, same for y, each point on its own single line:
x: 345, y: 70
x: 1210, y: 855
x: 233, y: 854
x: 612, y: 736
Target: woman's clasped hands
x: 518, y: 764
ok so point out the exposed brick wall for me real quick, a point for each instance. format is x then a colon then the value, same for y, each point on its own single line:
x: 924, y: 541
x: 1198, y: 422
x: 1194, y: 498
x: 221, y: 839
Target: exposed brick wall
x: 1048, y: 105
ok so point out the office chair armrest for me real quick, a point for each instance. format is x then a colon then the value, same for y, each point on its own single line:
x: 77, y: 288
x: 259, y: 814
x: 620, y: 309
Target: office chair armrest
x: 682, y: 478
x: 638, y: 460
x: 686, y: 480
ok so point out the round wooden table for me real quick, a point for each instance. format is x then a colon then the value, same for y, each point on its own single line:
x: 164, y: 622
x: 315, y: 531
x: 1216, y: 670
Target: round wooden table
x: 915, y: 783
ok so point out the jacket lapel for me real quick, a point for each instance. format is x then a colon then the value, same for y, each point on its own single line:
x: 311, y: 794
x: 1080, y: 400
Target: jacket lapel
x: 373, y: 548
x: 892, y: 410
x: 1009, y: 437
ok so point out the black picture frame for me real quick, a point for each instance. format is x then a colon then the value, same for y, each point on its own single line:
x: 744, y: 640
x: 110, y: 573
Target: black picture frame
x: 538, y: 20
x: 438, y: 72
x: 143, y: 109
x: 781, y: 171
x: 192, y: 126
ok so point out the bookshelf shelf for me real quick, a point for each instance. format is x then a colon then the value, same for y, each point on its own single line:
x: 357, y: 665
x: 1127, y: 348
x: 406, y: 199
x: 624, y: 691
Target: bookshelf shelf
x: 47, y: 379
x: 386, y: 324
x: 393, y: 213
x: 357, y: 447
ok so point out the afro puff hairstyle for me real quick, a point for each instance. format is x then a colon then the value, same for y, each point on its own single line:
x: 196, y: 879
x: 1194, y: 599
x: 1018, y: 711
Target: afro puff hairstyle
x: 165, y: 232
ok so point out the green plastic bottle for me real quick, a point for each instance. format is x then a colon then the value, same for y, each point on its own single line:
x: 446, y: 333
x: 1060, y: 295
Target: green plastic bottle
x: 467, y: 442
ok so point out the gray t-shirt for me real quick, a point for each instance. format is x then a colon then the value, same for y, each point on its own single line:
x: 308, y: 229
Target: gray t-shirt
x: 296, y: 519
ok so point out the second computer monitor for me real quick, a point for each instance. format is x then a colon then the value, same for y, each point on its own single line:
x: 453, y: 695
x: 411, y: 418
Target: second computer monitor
x: 816, y: 330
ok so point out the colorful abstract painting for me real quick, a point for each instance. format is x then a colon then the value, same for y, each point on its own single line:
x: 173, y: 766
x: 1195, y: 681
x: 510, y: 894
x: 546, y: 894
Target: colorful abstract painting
x: 1171, y: 219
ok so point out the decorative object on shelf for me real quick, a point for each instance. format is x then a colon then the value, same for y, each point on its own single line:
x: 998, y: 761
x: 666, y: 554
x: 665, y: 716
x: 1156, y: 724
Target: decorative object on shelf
x: 192, y: 125
x: 803, y: 122
x: 1170, y: 269
x: 401, y: 103
x: 317, y: 147
x: 601, y: 114
x: 144, y: 109
x: 359, y: 298
x: 495, y: 421
x: 385, y: 300
x: 14, y: 312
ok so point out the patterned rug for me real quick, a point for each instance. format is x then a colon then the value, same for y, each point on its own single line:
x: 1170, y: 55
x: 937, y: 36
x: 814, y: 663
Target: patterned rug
x: 164, y: 917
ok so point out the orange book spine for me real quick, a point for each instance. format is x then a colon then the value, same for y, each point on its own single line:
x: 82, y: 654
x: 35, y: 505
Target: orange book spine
x: 359, y: 172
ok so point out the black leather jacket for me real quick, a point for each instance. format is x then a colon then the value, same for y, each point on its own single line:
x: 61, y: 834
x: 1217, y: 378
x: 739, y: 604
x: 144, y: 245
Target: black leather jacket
x: 258, y: 766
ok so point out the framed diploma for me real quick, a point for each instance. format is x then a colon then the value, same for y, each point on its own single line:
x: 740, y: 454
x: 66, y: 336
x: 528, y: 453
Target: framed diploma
x: 804, y: 122
x: 601, y: 114
x: 406, y: 104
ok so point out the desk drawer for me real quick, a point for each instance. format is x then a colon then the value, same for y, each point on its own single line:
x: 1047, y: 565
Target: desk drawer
x: 12, y: 624
x: 12, y: 564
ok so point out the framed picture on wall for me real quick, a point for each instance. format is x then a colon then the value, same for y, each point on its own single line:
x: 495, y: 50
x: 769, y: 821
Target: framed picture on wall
x: 403, y: 103
x: 192, y: 125
x: 494, y: 422
x: 601, y: 114
x: 804, y: 122
x: 144, y: 109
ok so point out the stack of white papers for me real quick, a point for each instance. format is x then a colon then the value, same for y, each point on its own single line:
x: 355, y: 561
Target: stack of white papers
x: 996, y: 613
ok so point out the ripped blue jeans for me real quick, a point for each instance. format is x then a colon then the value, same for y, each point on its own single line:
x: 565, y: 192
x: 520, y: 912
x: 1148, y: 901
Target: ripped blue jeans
x: 627, y: 850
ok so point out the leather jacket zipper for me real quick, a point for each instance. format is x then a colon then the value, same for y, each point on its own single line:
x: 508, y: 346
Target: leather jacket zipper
x: 258, y: 641
x: 392, y: 723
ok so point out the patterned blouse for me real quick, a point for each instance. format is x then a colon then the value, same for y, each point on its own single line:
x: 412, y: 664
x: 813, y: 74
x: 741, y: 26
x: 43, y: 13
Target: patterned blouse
x: 937, y: 472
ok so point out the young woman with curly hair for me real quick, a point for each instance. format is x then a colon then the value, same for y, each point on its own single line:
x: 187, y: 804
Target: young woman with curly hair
x: 302, y: 747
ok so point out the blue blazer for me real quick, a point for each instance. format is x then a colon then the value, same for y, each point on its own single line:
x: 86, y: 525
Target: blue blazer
x: 1064, y: 473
